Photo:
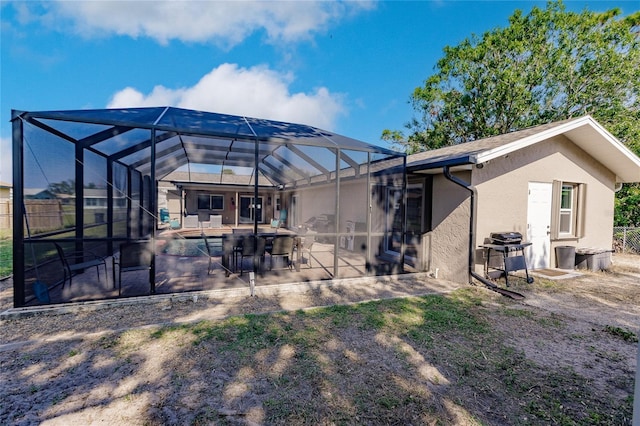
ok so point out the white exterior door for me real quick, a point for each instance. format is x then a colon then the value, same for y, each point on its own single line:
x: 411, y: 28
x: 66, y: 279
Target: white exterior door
x: 539, y: 225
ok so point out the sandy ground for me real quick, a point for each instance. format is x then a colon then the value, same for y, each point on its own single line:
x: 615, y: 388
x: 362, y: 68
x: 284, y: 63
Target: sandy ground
x: 37, y: 349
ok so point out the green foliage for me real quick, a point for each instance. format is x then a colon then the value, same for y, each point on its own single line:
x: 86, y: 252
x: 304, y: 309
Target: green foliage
x: 626, y: 335
x: 63, y: 187
x: 548, y: 65
x: 627, y: 211
x: 6, y: 256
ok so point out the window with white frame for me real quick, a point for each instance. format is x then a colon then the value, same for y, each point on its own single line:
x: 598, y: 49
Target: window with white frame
x: 569, y: 210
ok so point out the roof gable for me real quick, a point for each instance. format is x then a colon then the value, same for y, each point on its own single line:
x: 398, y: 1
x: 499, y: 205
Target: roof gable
x: 585, y: 132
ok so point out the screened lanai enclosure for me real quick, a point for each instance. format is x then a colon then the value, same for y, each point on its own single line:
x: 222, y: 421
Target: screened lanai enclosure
x: 131, y: 202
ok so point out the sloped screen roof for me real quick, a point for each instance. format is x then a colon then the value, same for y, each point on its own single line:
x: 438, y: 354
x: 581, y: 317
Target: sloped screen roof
x: 286, y: 152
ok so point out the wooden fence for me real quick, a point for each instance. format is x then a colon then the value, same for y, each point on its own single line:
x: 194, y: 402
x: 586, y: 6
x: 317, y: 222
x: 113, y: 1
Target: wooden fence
x: 44, y: 215
x: 6, y: 214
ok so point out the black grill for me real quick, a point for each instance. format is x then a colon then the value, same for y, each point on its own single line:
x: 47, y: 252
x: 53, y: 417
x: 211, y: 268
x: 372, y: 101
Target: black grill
x: 506, y: 237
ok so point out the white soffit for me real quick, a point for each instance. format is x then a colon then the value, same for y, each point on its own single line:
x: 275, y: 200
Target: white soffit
x: 591, y: 137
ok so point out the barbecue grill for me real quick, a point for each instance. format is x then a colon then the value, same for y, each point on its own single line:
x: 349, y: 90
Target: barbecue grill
x: 506, y: 237
x: 511, y: 247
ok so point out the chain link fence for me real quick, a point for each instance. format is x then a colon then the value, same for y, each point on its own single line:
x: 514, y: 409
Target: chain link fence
x: 626, y: 239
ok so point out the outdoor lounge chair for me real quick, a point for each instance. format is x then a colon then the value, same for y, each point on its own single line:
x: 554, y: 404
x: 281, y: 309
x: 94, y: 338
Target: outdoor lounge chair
x: 281, y: 221
x: 77, y: 261
x: 134, y: 256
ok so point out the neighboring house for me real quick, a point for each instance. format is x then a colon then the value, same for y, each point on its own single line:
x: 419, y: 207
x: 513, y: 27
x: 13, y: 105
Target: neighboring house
x: 5, y: 191
x: 553, y: 183
x: 6, y: 196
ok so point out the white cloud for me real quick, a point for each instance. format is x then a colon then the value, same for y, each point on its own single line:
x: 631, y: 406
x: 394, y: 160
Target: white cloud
x: 6, y: 159
x: 223, y: 22
x: 254, y: 92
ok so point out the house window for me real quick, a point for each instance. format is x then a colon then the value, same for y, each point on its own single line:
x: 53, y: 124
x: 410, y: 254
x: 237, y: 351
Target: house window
x: 566, y: 224
x: 210, y: 202
x: 568, y: 214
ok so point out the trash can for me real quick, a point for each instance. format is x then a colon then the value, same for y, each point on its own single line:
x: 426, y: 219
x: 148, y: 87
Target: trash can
x: 566, y: 257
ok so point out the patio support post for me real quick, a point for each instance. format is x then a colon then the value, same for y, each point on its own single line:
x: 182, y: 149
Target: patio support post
x: 18, y: 210
x: 403, y: 243
x: 153, y: 200
x: 337, y: 220
x: 255, y: 189
x: 368, y: 218
x: 79, y: 225
x: 129, y: 202
x: 110, y: 206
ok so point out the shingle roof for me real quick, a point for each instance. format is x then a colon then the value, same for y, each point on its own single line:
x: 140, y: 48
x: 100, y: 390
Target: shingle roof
x: 465, y: 153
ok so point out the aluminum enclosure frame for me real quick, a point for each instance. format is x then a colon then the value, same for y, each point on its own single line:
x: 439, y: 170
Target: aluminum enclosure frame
x: 150, y: 143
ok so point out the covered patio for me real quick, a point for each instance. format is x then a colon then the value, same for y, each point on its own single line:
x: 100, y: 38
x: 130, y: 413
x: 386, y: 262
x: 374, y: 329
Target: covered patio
x: 90, y: 183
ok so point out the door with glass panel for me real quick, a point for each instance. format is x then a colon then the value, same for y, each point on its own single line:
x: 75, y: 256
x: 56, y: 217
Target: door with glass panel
x: 393, y: 241
x: 249, y: 209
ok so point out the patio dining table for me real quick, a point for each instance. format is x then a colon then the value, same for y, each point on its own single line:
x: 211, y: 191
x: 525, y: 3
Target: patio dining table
x: 232, y: 244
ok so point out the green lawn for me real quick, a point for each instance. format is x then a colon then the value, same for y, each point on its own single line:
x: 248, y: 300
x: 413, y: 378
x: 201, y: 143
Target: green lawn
x: 6, y: 253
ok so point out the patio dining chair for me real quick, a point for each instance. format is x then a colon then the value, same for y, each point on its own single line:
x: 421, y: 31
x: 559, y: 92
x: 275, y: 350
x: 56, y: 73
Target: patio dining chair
x: 210, y: 252
x: 306, y: 245
x: 77, y: 261
x: 253, y: 247
x: 282, y: 247
x: 134, y: 256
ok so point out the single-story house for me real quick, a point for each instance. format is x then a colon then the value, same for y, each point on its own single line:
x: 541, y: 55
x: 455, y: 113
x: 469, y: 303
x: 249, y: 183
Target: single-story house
x: 375, y: 211
x: 5, y: 191
x: 553, y: 183
x: 229, y: 196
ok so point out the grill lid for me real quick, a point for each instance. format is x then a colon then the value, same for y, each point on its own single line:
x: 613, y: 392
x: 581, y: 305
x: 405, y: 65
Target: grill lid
x: 506, y: 237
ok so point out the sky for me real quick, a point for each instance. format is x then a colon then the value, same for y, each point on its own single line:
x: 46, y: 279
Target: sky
x: 345, y: 66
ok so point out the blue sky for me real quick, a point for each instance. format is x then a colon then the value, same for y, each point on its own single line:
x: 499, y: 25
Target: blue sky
x: 349, y: 67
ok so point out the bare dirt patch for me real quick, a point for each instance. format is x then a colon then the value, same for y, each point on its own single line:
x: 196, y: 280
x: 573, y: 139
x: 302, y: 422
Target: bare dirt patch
x: 565, y: 354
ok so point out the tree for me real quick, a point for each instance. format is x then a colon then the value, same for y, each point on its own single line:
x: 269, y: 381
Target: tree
x: 63, y: 187
x: 546, y: 66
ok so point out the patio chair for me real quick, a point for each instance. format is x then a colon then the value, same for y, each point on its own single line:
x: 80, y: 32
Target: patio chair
x: 77, y: 261
x: 307, y: 243
x: 282, y: 247
x: 253, y: 247
x: 210, y: 252
x: 134, y: 256
x: 281, y: 221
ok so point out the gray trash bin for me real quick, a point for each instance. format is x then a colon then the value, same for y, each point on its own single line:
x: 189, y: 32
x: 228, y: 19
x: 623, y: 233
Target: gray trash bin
x: 566, y: 257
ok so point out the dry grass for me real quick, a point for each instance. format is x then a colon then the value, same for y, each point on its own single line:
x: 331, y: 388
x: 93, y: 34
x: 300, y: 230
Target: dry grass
x: 471, y: 357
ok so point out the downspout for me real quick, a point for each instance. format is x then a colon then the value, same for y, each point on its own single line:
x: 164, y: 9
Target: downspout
x: 472, y: 231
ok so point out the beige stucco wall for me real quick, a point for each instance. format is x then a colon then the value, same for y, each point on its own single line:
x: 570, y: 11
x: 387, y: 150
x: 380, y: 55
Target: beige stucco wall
x: 502, y: 186
x: 322, y: 200
x: 446, y: 246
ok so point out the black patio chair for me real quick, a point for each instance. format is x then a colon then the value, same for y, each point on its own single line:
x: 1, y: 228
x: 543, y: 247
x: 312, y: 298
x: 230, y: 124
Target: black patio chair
x: 76, y: 261
x: 210, y: 252
x: 282, y: 247
x: 254, y: 247
x: 134, y: 256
